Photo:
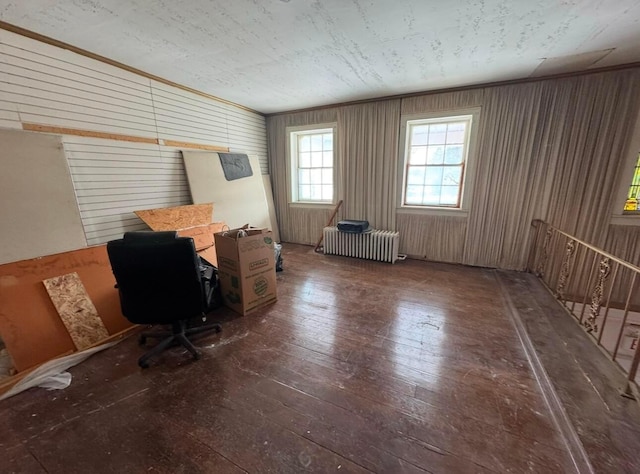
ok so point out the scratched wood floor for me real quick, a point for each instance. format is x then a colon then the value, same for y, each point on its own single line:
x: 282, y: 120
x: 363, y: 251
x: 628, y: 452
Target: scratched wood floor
x: 359, y: 367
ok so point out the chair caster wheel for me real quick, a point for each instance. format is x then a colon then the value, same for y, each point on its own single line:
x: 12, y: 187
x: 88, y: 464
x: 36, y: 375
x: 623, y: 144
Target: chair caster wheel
x: 143, y: 364
x: 218, y: 328
x: 196, y: 356
x: 142, y: 340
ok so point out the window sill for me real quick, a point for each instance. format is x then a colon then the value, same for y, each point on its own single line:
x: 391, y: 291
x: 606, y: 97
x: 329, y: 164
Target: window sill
x: 313, y: 205
x: 433, y: 211
x: 626, y: 219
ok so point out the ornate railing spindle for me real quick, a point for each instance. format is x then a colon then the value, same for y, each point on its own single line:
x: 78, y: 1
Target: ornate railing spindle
x: 591, y: 323
x: 564, y: 270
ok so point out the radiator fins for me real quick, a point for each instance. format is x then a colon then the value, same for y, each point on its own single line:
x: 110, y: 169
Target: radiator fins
x: 380, y: 245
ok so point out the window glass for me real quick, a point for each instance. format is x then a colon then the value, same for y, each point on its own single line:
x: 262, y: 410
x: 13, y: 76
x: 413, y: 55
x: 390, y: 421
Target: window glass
x: 435, y: 158
x: 312, y: 164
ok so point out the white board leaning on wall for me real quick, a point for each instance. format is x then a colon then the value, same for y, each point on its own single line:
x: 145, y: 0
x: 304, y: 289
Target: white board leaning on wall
x: 38, y: 207
x: 237, y: 202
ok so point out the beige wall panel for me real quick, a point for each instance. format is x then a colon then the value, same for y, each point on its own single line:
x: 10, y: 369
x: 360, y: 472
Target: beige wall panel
x: 266, y: 180
x: 37, y: 202
x: 238, y: 202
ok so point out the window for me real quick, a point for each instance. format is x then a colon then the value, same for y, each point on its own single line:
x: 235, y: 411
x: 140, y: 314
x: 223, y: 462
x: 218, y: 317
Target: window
x: 312, y: 164
x: 435, y: 158
x: 632, y: 203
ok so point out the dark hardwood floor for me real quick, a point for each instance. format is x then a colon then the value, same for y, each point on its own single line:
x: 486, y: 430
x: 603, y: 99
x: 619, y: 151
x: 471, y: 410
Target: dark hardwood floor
x: 360, y: 366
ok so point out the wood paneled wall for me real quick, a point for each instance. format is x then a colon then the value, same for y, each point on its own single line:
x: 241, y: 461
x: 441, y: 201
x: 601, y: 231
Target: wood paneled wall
x: 551, y: 149
x: 43, y: 87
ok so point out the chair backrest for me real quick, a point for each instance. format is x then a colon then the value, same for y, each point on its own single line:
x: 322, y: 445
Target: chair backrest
x: 158, y: 277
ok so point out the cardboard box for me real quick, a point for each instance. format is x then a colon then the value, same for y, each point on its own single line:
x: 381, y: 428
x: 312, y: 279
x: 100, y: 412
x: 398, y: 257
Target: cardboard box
x: 246, y: 268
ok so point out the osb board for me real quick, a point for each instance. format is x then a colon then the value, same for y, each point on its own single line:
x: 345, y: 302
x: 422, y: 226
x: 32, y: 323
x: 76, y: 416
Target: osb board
x: 202, y: 235
x: 179, y: 217
x: 77, y: 311
x: 29, y: 323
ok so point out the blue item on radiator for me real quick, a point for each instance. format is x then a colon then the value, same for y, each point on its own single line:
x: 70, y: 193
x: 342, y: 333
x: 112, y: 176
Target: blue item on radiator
x: 354, y: 227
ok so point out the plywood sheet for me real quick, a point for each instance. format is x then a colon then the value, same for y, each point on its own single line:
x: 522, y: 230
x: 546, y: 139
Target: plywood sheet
x: 37, y: 201
x: 179, y: 217
x: 29, y: 322
x: 203, y: 240
x: 76, y: 310
x: 238, y: 202
x: 210, y: 255
x: 202, y: 235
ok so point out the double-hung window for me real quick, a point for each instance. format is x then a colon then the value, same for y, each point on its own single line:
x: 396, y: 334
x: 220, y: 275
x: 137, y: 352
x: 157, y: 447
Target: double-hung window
x: 435, y: 161
x: 311, y: 152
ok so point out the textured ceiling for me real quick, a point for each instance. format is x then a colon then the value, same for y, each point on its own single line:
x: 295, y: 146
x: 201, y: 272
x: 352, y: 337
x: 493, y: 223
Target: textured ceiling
x: 277, y: 55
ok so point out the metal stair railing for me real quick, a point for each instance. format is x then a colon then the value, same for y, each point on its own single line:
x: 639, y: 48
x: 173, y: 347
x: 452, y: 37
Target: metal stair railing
x: 598, y: 289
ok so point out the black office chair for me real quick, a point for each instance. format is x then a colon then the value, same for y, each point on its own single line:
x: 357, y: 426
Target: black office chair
x: 161, y: 280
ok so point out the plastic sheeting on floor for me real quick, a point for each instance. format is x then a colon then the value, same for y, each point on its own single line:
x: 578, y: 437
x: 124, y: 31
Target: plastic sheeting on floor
x: 53, y: 375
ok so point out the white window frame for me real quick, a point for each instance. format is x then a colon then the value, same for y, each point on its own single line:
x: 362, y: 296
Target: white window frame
x: 292, y: 133
x: 468, y: 177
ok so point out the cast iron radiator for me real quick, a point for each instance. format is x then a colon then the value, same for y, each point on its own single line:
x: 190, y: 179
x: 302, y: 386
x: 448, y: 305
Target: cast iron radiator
x: 381, y: 245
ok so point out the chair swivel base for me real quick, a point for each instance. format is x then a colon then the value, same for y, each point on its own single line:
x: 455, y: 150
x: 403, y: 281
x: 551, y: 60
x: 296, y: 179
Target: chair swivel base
x: 178, y: 335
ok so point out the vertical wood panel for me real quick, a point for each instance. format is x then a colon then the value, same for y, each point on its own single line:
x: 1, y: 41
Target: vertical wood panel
x: 299, y: 225
x: 623, y: 241
x: 549, y: 149
x: 308, y: 226
x: 430, y: 237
